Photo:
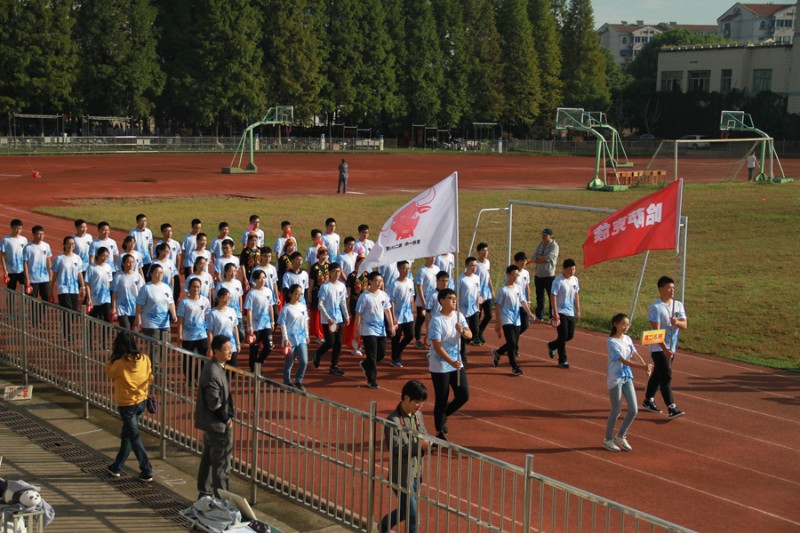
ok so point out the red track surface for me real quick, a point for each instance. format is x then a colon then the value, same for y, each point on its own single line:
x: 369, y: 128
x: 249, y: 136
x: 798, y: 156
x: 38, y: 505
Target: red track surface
x: 731, y: 464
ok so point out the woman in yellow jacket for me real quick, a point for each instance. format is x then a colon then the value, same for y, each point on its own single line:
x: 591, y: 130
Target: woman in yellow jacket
x: 132, y: 374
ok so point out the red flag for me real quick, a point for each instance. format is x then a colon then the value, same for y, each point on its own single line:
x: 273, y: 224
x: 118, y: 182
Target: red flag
x: 650, y: 223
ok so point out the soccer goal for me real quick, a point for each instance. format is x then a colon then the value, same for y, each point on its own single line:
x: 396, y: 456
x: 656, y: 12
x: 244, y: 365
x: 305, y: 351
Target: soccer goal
x: 700, y: 159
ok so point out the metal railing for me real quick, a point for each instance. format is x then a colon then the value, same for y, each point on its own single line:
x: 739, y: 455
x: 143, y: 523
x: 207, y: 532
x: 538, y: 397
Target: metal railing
x: 325, y: 455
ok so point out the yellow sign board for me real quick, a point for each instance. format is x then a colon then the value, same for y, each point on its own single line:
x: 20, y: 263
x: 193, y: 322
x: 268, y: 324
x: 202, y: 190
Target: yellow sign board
x: 653, y: 336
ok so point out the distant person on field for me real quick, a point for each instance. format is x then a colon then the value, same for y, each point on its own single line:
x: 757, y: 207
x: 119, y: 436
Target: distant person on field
x: 752, y: 163
x: 665, y: 313
x: 620, y: 382
x: 544, y: 257
x: 343, y: 175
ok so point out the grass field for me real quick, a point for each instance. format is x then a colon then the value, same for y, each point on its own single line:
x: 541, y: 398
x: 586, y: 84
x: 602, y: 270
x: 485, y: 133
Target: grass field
x: 742, y: 244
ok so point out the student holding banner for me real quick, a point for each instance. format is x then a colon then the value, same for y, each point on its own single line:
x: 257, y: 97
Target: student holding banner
x: 665, y: 313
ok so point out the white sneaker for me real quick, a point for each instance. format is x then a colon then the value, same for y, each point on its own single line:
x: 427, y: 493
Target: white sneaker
x: 622, y: 443
x: 610, y: 446
x: 357, y: 353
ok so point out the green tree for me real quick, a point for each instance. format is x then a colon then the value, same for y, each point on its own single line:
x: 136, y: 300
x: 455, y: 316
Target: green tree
x: 421, y: 76
x: 38, y: 59
x: 449, y: 16
x: 178, y: 25
x: 484, y: 51
x: 120, y: 71
x: 522, y: 83
x: 345, y: 63
x: 376, y: 84
x: 295, y: 54
x: 584, y: 65
x: 548, y: 49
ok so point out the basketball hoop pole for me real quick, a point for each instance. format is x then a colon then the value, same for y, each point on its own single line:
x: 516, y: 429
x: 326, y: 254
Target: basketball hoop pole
x: 279, y: 115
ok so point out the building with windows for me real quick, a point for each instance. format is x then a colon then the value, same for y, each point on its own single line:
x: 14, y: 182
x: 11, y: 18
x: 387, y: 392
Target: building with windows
x: 758, y: 23
x: 721, y: 68
x: 624, y: 40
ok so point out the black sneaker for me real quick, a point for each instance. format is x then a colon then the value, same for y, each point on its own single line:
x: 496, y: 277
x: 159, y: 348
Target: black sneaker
x: 563, y: 364
x: 336, y: 371
x: 372, y: 384
x: 516, y: 372
x: 674, y: 412
x: 551, y: 353
x: 397, y: 364
x: 300, y: 387
x: 495, y: 358
x: 363, y: 369
x: 113, y: 473
x: 147, y: 478
x: 317, y: 359
x: 650, y: 405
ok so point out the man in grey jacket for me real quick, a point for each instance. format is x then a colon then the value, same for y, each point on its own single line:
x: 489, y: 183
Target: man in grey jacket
x: 545, y: 257
x: 214, y: 414
x: 407, y: 447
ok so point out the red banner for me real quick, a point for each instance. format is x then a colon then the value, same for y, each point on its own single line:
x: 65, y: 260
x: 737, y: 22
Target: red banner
x: 650, y: 223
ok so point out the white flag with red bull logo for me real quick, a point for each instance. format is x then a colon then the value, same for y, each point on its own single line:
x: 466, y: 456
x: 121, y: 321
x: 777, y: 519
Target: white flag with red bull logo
x: 426, y: 226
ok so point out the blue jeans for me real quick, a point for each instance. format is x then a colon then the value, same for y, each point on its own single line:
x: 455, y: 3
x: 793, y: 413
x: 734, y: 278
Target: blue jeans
x: 407, y: 506
x: 301, y: 352
x: 615, y: 393
x: 131, y: 439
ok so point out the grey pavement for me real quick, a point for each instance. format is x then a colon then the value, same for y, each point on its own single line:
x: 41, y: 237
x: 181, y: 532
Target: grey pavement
x: 46, y: 441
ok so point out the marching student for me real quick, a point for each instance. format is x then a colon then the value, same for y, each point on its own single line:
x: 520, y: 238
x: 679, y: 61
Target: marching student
x: 294, y: 321
x: 523, y: 283
x: 222, y: 320
x: 260, y: 318
x: 373, y: 313
x: 444, y: 361
x: 68, y: 281
x: 510, y: 304
x: 200, y: 272
x: 425, y: 286
x: 401, y: 294
x: 332, y: 304
x: 98, y: 278
x: 566, y: 304
x: 286, y: 233
x: 620, y: 382
x: 254, y: 227
x: 174, y: 256
x: 125, y: 287
x: 189, y: 245
x: 104, y: 240
x: 487, y: 291
x: 469, y: 290
x: 144, y: 243
x: 192, y: 311
x: 11, y: 256
x: 36, y: 260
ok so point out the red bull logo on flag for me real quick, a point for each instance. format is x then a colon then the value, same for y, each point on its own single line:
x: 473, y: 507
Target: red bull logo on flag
x: 425, y: 226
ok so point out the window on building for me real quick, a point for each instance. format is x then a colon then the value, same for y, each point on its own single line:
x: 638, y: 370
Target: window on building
x: 763, y: 25
x: 725, y: 80
x: 624, y: 40
x: 788, y: 23
x: 699, y: 80
x: 671, y: 80
x: 762, y: 79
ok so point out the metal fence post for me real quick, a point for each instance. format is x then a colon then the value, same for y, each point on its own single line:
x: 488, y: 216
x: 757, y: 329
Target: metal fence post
x: 162, y: 433
x: 373, y: 415
x: 527, y: 492
x: 24, y: 320
x: 85, y: 328
x: 256, y: 417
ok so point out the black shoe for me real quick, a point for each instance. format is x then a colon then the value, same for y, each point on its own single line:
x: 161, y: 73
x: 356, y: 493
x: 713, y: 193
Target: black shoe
x: 336, y: 371
x: 372, y: 384
x: 674, y: 412
x: 317, y: 359
x: 397, y: 364
x: 113, y: 473
x: 475, y: 342
x: 495, y: 358
x: 300, y: 387
x: 650, y: 405
x: 516, y: 372
x: 551, y: 353
x: 363, y: 369
x: 147, y: 478
x: 563, y: 364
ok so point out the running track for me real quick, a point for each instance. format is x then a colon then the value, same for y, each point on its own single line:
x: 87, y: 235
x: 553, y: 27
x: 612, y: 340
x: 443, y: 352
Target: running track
x: 731, y: 464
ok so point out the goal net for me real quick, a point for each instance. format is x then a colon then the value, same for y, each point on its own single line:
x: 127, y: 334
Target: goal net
x: 701, y: 160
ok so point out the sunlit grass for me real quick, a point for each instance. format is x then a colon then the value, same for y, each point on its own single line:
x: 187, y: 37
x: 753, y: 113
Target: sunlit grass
x: 741, y: 292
